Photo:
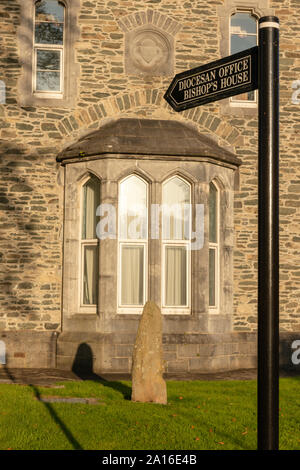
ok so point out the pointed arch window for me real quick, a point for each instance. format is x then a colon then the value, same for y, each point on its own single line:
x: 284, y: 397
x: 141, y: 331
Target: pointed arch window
x: 133, y: 242
x: 213, y: 247
x: 243, y: 35
x: 176, y: 230
x: 90, y: 197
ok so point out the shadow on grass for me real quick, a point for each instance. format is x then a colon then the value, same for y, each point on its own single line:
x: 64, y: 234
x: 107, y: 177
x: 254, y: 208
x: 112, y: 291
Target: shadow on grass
x: 75, y: 444
x: 83, y: 367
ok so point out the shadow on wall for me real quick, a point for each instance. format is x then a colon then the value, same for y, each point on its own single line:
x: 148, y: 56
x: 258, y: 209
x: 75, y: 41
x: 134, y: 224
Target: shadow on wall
x: 83, y: 367
x: 30, y: 222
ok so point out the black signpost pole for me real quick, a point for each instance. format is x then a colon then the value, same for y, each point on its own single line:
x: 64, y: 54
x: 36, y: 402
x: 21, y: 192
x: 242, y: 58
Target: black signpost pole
x: 268, y: 235
x: 257, y: 67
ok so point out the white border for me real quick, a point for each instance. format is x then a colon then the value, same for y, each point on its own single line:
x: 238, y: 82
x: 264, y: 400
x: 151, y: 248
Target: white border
x: 269, y: 24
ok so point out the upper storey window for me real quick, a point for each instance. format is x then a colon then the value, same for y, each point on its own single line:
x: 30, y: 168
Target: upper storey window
x: 47, y: 38
x: 243, y: 35
x: 49, y: 47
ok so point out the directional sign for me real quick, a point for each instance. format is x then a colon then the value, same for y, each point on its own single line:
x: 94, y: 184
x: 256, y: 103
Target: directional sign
x: 223, y: 78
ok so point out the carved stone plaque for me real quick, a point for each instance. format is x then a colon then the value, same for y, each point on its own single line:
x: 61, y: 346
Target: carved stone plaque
x: 149, y: 51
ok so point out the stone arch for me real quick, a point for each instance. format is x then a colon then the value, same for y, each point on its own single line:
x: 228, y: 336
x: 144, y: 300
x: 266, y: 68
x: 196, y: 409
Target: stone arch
x: 149, y: 17
x: 181, y: 173
x: 137, y: 171
x: 218, y: 182
x: 81, y: 122
x: 83, y: 178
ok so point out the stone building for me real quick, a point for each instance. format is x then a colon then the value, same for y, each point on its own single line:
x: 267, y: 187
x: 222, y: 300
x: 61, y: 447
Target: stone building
x: 91, y: 154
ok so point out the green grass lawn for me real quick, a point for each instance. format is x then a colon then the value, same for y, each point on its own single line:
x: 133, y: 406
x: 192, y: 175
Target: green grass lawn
x: 199, y: 415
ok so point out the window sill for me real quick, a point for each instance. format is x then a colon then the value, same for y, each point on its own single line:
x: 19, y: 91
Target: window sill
x: 48, y: 95
x: 238, y: 109
x: 87, y: 311
x: 130, y: 311
x: 175, y: 311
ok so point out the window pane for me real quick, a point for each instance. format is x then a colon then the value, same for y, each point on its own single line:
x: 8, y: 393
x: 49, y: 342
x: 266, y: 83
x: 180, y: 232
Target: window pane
x: 48, y: 60
x: 240, y: 43
x: 48, y: 81
x: 49, y: 33
x: 213, y: 213
x: 90, y: 202
x: 176, y: 210
x: 212, y: 277
x: 175, y: 276
x: 132, y: 275
x: 243, y: 23
x: 133, y: 209
x: 90, y: 275
x: 250, y: 96
x: 49, y: 10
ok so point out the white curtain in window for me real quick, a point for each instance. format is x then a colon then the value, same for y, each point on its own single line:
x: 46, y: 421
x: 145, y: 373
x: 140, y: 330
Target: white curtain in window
x: 133, y: 209
x: 90, y: 203
x: 176, y: 215
x: 175, y: 276
x: 132, y: 275
x: 90, y: 275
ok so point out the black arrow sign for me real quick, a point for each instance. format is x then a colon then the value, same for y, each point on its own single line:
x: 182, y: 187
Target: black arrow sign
x: 220, y: 79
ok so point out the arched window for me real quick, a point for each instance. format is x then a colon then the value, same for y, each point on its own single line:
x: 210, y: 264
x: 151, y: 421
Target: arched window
x: 49, y: 47
x: 243, y: 35
x: 90, y: 197
x: 133, y: 242
x: 213, y: 247
x: 176, y: 230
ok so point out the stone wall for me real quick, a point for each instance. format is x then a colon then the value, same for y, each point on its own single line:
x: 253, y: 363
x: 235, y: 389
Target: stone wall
x: 185, y: 355
x: 31, y: 188
x: 29, y: 349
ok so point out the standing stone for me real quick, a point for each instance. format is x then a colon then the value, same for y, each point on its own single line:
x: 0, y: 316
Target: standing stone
x: 148, y: 384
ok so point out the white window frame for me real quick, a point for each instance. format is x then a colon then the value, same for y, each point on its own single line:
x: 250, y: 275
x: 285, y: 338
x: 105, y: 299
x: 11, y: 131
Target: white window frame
x: 85, y: 308
x: 53, y: 47
x: 181, y: 309
x: 234, y: 102
x: 133, y: 309
x: 216, y: 247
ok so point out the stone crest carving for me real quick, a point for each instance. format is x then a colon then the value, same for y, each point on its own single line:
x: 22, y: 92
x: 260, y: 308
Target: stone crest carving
x: 150, y: 52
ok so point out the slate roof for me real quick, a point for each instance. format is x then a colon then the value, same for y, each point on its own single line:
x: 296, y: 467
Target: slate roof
x: 133, y: 136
